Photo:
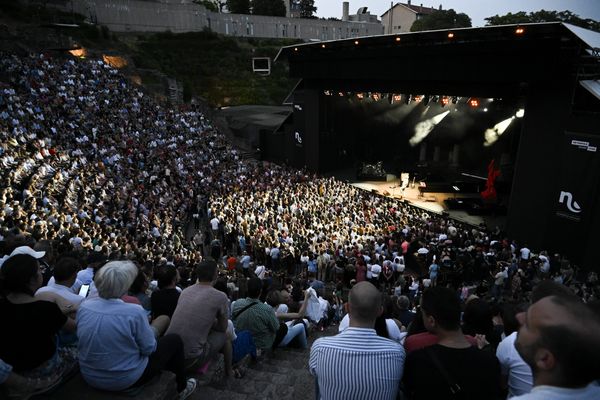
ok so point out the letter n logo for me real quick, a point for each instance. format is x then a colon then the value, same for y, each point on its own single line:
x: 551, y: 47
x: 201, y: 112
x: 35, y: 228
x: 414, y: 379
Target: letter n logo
x: 571, y: 205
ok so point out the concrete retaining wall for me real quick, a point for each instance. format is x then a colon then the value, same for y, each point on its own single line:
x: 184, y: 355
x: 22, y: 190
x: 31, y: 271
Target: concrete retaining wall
x: 149, y: 16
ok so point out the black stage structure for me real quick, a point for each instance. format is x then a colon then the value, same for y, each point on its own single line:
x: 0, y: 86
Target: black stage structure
x: 551, y: 70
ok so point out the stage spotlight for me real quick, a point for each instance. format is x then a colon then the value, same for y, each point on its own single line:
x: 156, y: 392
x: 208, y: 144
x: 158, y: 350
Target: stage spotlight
x: 323, y: 46
x: 450, y: 35
x: 492, y: 135
x: 424, y: 128
x: 417, y: 98
x: 397, y: 98
x: 398, y: 38
x: 520, y: 113
x: 519, y: 31
x: 485, y: 110
x: 295, y: 49
x: 360, y: 96
x: 356, y: 42
x: 445, y: 101
x: 474, y: 103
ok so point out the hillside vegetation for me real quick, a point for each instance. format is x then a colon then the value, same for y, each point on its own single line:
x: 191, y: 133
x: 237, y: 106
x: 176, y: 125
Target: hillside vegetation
x: 216, y: 68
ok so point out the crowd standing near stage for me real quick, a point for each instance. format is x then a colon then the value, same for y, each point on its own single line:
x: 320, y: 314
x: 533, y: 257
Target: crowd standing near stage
x: 120, y: 217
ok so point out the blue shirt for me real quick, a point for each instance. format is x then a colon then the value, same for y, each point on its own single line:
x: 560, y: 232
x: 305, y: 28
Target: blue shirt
x: 5, y: 370
x: 357, y: 364
x: 115, y: 340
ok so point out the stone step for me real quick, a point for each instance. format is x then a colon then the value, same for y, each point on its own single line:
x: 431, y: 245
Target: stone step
x: 161, y: 388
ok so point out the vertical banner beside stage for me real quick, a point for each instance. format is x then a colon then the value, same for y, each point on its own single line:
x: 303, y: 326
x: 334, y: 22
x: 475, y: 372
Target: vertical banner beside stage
x: 577, y: 188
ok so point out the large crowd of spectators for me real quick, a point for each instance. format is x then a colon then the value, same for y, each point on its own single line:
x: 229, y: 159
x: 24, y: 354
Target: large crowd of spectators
x: 118, y: 215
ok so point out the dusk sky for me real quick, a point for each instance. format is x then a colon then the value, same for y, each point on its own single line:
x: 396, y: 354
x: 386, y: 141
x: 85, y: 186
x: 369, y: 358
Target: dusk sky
x: 476, y: 9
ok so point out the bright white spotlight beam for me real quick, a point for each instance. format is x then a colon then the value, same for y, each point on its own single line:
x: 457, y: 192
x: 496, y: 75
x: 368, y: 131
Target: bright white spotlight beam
x: 424, y: 128
x: 492, y: 135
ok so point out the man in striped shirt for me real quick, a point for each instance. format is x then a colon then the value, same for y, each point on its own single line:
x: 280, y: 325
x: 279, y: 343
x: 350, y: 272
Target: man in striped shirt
x: 358, y: 364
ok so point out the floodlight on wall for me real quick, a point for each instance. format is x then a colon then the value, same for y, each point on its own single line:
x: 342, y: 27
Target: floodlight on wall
x: 261, y: 65
x: 398, y: 38
x: 519, y: 31
x: 450, y: 35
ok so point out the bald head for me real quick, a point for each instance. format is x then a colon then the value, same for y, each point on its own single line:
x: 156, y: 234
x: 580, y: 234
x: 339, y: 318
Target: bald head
x: 364, y: 304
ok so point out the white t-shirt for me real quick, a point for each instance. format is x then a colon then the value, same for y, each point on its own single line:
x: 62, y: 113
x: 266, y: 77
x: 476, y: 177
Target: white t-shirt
x: 63, y: 292
x: 375, y: 270
x: 525, y: 252
x: 590, y: 392
x: 214, y: 223
x: 520, y: 379
x: 394, y: 332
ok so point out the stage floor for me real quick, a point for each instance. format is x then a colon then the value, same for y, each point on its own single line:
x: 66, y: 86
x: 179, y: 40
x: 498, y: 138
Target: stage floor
x: 430, y: 201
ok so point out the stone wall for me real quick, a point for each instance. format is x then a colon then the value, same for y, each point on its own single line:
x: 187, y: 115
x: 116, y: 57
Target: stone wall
x: 150, y: 16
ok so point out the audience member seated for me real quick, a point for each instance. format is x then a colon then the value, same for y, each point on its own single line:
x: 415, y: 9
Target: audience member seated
x: 164, y: 300
x: 30, y: 324
x: 559, y: 339
x: 294, y: 321
x: 253, y: 315
x: 65, y: 274
x: 117, y: 346
x: 454, y: 366
x: 344, y: 365
x: 200, y: 319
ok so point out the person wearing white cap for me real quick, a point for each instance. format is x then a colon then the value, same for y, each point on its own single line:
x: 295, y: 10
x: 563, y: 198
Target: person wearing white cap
x: 29, y: 345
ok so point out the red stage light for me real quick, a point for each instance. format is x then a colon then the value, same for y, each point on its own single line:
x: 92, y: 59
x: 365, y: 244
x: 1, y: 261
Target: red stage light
x: 474, y: 103
x: 445, y: 100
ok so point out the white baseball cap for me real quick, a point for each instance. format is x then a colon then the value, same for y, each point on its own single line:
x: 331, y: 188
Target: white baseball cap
x: 29, y: 251
x: 23, y: 250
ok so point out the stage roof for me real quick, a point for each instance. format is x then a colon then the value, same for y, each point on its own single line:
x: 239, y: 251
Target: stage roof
x: 263, y: 117
x: 489, y: 61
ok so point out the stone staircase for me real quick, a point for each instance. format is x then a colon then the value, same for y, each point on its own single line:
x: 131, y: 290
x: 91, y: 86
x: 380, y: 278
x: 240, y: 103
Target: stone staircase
x: 281, y: 375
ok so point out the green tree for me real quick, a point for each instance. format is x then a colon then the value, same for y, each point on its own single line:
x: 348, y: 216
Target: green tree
x: 307, y: 8
x: 544, y: 16
x: 441, y: 19
x: 238, y: 6
x: 210, y: 5
x: 274, y: 8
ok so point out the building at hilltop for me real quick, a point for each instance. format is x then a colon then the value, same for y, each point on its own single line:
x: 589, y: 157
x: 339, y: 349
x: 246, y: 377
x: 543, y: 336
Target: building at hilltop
x: 401, y: 16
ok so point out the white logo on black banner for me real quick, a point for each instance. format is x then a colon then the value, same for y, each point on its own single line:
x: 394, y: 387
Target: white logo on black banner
x: 571, y: 205
x: 584, y: 145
